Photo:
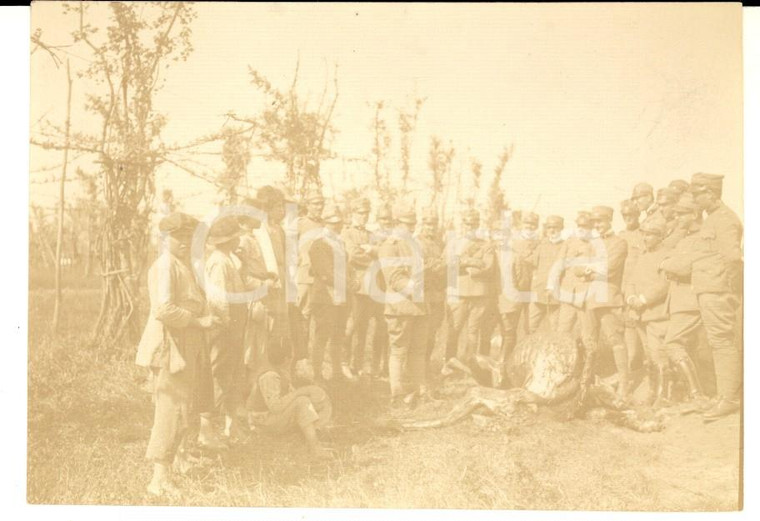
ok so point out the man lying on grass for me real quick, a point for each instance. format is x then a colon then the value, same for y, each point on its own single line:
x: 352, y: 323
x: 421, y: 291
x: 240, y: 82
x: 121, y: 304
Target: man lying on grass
x: 277, y: 408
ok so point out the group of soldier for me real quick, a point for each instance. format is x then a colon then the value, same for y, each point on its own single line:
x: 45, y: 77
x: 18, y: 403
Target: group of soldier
x: 277, y: 300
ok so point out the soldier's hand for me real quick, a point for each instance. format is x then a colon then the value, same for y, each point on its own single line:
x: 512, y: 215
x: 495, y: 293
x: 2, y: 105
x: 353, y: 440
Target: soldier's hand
x: 208, y: 322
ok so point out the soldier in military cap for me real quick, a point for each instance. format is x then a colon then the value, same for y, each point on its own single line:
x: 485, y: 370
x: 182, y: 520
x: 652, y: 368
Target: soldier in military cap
x: 405, y: 309
x: 469, y: 293
x: 173, y: 346
x: 308, y: 227
x: 602, y: 310
x: 362, y: 254
x: 643, y: 196
x: 435, y: 277
x: 227, y: 341
x: 635, y: 332
x: 542, y: 261
x: 646, y: 291
x: 716, y: 276
x: 682, y: 305
x: 666, y: 199
x: 564, y: 284
x: 332, y: 285
x: 680, y: 186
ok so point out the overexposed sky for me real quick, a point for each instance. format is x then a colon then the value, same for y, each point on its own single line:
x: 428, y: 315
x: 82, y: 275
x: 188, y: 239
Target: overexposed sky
x: 594, y: 98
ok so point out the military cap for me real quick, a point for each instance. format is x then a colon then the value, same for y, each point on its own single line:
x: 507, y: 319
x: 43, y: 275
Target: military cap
x: 405, y: 213
x: 430, y: 216
x: 628, y: 207
x: 602, y: 213
x: 686, y: 204
x: 702, y: 182
x: 667, y: 196
x: 554, y: 220
x: 314, y: 197
x: 654, y: 224
x: 178, y: 223
x: 642, y: 189
x: 583, y: 219
x: 679, y: 185
x: 223, y: 230
x: 384, y: 212
x: 530, y: 218
x: 360, y: 205
x: 471, y: 215
x: 331, y: 214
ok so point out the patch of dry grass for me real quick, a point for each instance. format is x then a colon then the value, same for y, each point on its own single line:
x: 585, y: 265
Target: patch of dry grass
x: 89, y: 424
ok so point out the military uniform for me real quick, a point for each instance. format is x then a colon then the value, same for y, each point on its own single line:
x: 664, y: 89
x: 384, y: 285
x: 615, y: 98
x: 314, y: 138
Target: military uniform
x: 468, y: 298
x: 362, y: 254
x: 406, y: 315
x: 634, y: 331
x: 682, y: 304
x: 603, y: 307
x: 542, y: 261
x: 716, y: 277
x: 435, y: 282
x: 567, y: 286
x: 646, y: 292
x: 328, y: 294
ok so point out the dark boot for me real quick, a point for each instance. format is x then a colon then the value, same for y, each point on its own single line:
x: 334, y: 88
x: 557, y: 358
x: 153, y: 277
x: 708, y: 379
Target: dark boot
x: 689, y: 371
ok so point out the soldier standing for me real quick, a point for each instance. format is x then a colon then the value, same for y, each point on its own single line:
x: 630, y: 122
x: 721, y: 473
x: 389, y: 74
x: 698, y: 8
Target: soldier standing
x: 361, y: 253
x: 543, y: 260
x: 646, y: 292
x: 329, y: 292
x: 475, y: 281
x: 635, y: 332
x: 666, y: 199
x: 380, y: 352
x: 405, y: 310
x: 565, y: 284
x: 300, y: 316
x: 602, y: 313
x: 717, y: 280
x: 435, y: 278
x: 683, y: 306
x: 643, y: 197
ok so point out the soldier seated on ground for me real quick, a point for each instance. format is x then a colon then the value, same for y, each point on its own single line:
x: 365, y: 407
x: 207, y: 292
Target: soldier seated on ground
x: 275, y: 407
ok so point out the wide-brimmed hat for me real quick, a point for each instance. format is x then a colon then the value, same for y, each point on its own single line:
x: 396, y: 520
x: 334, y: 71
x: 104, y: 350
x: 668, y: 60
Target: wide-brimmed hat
x: 223, y: 230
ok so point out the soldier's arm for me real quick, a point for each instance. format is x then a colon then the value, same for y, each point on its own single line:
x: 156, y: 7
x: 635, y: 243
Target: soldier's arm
x: 396, y: 277
x: 728, y: 239
x: 321, y: 257
x: 486, y: 265
x: 357, y: 256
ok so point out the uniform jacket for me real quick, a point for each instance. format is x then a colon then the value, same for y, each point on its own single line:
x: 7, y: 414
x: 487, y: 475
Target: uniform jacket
x: 361, y: 254
x: 478, y: 268
x: 572, y: 288
x: 398, y: 278
x: 677, y: 268
x: 635, y: 241
x: 718, y: 268
x: 604, y: 290
x: 648, y: 281
x: 435, y: 269
x: 327, y: 253
x: 175, y: 300
x: 542, y: 261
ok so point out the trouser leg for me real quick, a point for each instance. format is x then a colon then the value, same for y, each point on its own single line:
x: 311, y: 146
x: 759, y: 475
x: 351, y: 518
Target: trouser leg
x: 719, y: 316
x: 399, y: 336
x: 457, y: 317
x: 566, y: 318
x: 416, y: 357
x: 360, y: 314
x: 474, y: 327
x: 509, y: 322
x: 536, y: 313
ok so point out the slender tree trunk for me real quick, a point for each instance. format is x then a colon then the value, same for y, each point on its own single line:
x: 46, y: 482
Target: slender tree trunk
x: 61, y: 208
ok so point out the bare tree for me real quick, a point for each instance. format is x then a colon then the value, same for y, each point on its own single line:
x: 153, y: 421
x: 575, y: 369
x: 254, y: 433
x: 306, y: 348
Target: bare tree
x: 62, y: 205
x: 380, y: 149
x: 236, y: 154
x: 291, y: 132
x: 127, y: 66
x: 439, y: 163
x: 496, y: 202
x: 407, y: 123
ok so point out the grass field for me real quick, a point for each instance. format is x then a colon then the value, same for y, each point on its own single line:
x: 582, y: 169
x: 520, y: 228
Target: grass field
x: 89, y: 423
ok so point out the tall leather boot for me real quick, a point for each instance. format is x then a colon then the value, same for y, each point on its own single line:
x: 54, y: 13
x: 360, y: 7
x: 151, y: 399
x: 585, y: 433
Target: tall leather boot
x: 689, y: 371
x: 663, y: 383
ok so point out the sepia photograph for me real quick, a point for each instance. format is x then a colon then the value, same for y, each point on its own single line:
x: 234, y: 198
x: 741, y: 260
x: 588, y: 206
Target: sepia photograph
x: 386, y: 256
